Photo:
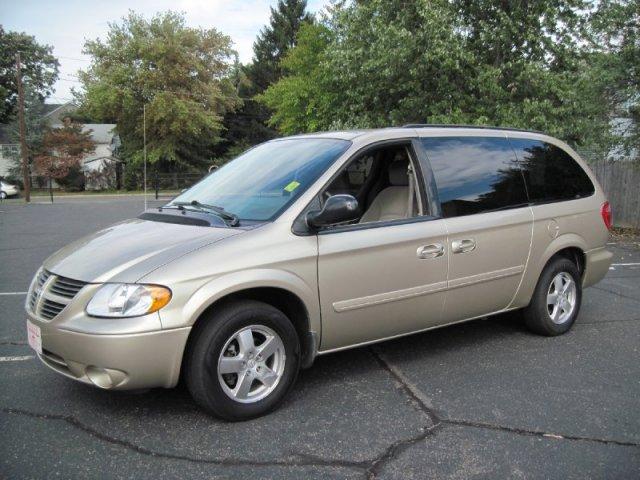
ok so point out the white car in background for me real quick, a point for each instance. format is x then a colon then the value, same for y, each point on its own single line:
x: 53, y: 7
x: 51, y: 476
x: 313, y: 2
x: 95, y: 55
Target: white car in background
x: 7, y: 190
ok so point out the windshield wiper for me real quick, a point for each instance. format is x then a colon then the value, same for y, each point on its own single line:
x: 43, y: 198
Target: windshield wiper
x: 230, y: 219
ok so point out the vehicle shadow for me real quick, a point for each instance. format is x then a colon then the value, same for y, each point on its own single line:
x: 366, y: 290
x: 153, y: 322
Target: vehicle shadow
x: 351, y: 368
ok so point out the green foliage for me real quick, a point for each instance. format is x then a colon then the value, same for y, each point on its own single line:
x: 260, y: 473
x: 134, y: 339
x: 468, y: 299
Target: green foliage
x: 275, y: 40
x: 389, y: 62
x: 179, y: 73
x: 615, y: 62
x: 73, y: 181
x: 303, y: 99
x: 39, y: 70
x: 36, y: 124
x: 248, y: 126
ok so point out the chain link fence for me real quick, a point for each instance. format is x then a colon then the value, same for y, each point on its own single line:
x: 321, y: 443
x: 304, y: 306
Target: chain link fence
x: 171, y: 184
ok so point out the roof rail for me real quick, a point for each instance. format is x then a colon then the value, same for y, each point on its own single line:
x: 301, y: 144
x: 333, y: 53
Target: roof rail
x: 451, y: 125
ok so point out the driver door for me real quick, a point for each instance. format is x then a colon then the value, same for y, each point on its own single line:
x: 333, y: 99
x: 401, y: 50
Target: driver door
x: 381, y: 279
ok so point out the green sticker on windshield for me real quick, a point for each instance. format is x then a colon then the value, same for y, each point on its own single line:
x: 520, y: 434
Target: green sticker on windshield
x: 292, y: 186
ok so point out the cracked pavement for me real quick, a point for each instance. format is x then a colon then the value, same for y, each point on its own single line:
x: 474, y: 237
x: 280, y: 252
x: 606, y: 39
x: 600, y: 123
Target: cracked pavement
x: 485, y: 399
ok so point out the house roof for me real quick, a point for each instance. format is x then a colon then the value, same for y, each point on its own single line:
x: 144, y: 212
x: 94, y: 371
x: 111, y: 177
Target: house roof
x: 109, y: 157
x: 52, y: 107
x: 101, y: 132
x: 56, y: 112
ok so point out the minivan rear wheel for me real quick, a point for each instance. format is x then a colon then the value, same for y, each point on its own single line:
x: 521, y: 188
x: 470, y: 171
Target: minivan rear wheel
x: 242, y: 360
x: 556, y: 300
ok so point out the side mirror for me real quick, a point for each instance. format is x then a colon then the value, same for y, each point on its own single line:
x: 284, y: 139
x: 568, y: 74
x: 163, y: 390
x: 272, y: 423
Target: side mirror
x: 337, y: 209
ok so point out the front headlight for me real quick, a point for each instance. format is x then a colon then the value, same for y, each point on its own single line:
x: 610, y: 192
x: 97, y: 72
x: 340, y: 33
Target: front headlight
x: 127, y: 300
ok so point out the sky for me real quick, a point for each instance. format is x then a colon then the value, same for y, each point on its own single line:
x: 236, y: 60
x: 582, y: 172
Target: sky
x: 66, y: 25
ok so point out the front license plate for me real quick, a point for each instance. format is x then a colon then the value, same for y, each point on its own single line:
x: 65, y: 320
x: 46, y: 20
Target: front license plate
x: 34, y: 338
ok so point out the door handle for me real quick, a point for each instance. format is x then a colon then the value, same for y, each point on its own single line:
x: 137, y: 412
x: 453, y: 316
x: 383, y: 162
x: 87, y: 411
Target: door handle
x: 430, y: 251
x: 463, y: 246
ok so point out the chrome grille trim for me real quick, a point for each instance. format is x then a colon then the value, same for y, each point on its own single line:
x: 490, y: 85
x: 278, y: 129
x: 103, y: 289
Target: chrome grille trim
x: 66, y: 287
x: 50, y: 294
x: 49, y: 309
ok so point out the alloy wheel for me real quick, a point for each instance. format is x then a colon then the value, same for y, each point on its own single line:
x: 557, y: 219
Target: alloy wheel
x: 561, y: 298
x: 251, y: 363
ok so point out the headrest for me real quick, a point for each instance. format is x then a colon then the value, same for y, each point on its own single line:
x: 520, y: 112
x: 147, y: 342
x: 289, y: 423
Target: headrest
x: 398, y: 173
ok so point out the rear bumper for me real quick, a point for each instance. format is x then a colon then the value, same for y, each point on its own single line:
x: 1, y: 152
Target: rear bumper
x: 115, y: 362
x: 597, y: 263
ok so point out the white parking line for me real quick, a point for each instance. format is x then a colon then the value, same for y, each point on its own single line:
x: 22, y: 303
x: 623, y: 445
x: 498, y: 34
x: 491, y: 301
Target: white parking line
x: 17, y: 359
x: 13, y: 293
x: 625, y: 264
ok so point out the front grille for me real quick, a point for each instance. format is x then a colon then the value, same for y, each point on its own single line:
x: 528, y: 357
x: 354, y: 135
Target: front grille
x: 49, y: 309
x: 43, y: 276
x: 66, y: 287
x: 51, y: 293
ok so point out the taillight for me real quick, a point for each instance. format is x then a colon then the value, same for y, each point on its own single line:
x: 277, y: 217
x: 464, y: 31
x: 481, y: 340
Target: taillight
x: 605, y: 211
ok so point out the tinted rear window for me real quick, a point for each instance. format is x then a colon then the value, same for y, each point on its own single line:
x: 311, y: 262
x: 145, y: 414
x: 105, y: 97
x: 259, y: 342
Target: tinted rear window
x: 475, y: 174
x: 551, y: 174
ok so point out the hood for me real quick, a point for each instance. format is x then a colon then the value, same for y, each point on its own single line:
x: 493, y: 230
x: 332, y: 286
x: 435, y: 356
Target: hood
x: 129, y: 250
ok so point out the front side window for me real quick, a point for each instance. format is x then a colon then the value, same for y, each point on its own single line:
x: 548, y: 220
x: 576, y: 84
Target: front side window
x: 264, y: 181
x: 475, y: 174
x: 383, y: 181
x: 550, y: 172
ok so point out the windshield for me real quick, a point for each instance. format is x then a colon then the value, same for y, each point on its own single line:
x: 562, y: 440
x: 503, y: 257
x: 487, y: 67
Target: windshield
x: 262, y: 182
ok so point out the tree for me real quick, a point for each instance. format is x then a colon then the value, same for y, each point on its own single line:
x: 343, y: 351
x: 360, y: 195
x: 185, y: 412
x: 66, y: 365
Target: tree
x: 390, y: 62
x: 275, y: 40
x: 303, y: 100
x: 180, y: 75
x: 36, y: 124
x: 62, y: 151
x: 39, y: 69
x: 248, y: 126
x: 532, y: 67
x: 615, y: 61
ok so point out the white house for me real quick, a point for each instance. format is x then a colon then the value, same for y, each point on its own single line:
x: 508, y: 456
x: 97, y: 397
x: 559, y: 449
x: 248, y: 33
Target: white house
x: 101, y: 168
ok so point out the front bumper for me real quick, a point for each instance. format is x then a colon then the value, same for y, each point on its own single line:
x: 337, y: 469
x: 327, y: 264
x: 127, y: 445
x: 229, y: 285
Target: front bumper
x: 118, y: 354
x: 115, y: 362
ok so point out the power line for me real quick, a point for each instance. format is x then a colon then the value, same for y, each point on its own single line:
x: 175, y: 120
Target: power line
x: 76, y: 59
x: 64, y: 99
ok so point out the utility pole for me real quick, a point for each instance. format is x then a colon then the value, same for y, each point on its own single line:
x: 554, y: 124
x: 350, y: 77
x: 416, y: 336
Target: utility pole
x: 23, y: 133
x: 144, y: 143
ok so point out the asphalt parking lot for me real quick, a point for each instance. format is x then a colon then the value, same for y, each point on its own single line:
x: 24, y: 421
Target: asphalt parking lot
x: 485, y: 399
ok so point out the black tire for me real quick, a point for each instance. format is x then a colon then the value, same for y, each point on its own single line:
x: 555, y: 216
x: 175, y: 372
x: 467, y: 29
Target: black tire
x: 205, y: 347
x: 536, y: 315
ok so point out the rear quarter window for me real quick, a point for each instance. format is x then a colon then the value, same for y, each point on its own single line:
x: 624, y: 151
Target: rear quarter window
x: 475, y: 174
x: 550, y: 173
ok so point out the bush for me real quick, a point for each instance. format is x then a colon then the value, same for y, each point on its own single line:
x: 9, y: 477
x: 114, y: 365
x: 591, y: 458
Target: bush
x: 132, y: 177
x: 73, y: 182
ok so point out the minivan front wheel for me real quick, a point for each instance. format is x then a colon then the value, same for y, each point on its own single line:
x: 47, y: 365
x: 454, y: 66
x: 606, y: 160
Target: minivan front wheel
x: 242, y: 360
x: 556, y: 299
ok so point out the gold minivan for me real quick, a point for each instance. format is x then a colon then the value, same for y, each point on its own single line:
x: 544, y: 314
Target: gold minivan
x: 310, y: 244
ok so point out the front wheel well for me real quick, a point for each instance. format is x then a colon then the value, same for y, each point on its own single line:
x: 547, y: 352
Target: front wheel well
x: 285, y: 301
